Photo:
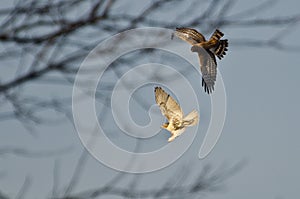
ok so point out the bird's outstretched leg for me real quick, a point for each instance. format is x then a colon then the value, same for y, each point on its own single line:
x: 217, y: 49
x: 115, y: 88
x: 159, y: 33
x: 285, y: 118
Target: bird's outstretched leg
x: 172, y: 138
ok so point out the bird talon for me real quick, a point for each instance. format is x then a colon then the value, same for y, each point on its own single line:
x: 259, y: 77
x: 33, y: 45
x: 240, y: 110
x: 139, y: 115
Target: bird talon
x: 165, y: 125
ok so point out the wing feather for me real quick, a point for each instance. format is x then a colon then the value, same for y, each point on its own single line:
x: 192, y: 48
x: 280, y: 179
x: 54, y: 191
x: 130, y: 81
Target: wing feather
x: 168, y: 106
x: 208, y: 67
x: 189, y: 35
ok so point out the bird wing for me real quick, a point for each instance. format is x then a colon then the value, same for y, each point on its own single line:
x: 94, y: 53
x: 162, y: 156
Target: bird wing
x: 168, y: 106
x: 208, y: 67
x: 189, y: 35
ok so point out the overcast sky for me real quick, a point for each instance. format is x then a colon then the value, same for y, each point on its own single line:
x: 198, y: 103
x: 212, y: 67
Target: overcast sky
x: 261, y: 127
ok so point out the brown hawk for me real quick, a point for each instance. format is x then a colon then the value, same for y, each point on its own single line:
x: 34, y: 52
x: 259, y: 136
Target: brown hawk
x: 171, y: 110
x: 207, y: 50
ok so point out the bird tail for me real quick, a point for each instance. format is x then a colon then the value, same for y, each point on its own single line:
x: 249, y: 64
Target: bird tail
x: 217, y: 35
x: 191, y: 119
x: 221, y: 48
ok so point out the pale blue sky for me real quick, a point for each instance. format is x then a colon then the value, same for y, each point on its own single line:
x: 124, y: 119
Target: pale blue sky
x: 261, y: 127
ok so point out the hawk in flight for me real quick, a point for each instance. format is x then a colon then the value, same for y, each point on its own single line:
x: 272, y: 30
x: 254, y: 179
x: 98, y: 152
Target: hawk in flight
x: 171, y: 110
x: 207, y: 50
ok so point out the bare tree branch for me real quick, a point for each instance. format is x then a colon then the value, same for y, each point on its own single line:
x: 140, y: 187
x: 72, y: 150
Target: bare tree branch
x: 43, y: 43
x: 208, y: 181
x: 24, y: 188
x: 33, y: 154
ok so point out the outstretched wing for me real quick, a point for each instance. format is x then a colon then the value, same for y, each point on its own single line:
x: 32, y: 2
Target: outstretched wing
x: 189, y: 35
x: 208, y: 67
x: 168, y: 106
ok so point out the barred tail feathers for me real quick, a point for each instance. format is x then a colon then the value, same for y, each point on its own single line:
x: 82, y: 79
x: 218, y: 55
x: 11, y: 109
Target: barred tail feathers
x: 221, y: 48
x: 217, y: 35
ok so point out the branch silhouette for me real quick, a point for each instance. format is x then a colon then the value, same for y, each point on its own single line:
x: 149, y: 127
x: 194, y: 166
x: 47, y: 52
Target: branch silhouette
x: 48, y: 30
x: 44, y: 42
